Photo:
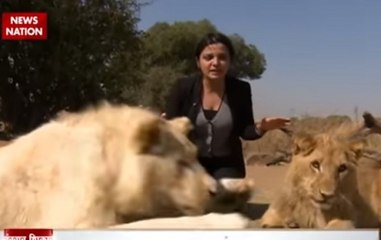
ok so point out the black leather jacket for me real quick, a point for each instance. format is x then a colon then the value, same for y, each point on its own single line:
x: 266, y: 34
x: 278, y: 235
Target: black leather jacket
x: 185, y: 100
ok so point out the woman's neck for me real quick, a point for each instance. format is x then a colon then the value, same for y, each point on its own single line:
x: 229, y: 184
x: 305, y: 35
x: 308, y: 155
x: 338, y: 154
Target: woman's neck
x: 214, y: 85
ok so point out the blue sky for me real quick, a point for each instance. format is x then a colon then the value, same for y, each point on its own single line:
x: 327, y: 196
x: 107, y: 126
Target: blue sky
x: 323, y: 56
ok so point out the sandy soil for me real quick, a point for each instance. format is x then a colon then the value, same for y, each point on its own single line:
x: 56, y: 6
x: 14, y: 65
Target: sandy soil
x: 268, y: 181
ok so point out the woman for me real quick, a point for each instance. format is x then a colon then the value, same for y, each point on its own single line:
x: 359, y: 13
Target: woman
x: 220, y: 108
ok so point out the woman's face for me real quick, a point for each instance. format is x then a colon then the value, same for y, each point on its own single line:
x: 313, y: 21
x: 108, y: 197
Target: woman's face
x: 214, y: 61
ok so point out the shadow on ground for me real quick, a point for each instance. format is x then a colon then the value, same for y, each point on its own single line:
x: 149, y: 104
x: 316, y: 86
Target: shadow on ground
x: 255, y: 210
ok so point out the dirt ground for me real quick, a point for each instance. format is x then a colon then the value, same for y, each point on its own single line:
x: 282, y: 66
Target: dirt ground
x: 268, y: 181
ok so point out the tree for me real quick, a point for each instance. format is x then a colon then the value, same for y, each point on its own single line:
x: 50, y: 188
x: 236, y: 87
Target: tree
x: 173, y: 45
x: 249, y: 62
x: 92, y: 53
x: 170, y: 48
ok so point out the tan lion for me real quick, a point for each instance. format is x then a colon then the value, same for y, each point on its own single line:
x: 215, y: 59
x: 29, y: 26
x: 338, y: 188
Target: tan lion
x: 105, y: 166
x: 329, y: 184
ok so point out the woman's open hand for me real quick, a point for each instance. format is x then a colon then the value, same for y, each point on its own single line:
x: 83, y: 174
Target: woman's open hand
x: 270, y: 123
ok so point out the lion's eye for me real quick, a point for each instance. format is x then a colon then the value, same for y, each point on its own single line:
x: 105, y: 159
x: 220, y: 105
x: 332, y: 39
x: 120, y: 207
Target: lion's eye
x: 342, y: 168
x: 315, y: 164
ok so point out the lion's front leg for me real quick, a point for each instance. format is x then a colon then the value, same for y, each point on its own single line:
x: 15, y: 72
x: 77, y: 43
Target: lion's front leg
x: 340, y: 224
x: 232, y: 195
x: 273, y: 219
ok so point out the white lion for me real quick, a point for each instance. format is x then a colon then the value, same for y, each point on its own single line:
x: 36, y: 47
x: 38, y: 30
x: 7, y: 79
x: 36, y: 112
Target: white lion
x: 105, y: 166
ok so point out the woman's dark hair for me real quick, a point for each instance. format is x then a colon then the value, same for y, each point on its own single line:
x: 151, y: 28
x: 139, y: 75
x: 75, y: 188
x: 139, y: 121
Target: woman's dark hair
x: 212, y: 38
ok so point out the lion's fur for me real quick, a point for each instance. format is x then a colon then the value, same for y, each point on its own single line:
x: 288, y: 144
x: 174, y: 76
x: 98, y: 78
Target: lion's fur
x: 104, y: 166
x: 3, y: 143
x: 351, y: 185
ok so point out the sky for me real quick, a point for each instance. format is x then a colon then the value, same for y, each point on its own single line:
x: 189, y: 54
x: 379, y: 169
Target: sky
x: 323, y: 56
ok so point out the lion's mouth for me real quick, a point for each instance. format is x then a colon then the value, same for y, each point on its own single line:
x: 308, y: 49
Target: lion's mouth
x: 322, y: 203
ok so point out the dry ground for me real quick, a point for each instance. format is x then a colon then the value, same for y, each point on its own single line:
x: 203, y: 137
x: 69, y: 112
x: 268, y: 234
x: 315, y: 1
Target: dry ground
x: 268, y: 181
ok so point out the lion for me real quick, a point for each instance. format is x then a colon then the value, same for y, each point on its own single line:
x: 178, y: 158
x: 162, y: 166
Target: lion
x: 329, y: 183
x: 3, y: 143
x: 104, y: 166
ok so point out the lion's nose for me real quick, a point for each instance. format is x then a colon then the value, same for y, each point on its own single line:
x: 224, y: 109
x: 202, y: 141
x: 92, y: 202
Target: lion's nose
x: 212, y: 185
x: 213, y: 191
x: 327, y: 195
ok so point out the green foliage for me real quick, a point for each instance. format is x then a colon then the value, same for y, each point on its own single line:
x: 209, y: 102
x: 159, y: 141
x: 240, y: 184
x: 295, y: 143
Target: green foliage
x: 95, y: 52
x: 89, y: 55
x: 169, y: 53
x: 249, y: 62
x: 156, y: 86
x: 173, y: 45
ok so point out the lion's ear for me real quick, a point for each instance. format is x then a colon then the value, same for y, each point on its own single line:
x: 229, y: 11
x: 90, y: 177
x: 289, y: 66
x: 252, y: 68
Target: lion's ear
x: 356, y: 143
x: 357, y: 148
x: 182, y: 124
x: 147, y: 135
x: 303, y: 143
